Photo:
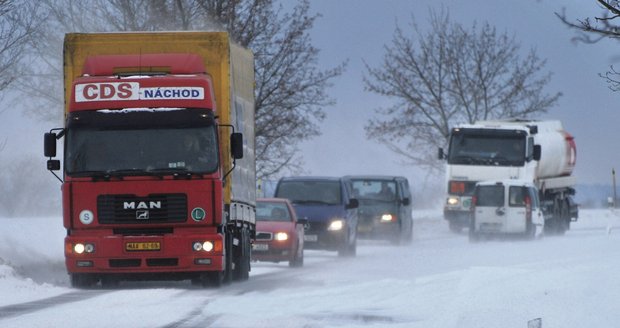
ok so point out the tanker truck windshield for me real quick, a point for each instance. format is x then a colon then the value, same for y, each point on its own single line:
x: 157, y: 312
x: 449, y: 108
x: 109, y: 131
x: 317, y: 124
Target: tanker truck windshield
x: 497, y: 148
x: 140, y: 143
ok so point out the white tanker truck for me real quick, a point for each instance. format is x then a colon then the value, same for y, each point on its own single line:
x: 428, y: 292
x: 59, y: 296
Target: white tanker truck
x: 537, y: 151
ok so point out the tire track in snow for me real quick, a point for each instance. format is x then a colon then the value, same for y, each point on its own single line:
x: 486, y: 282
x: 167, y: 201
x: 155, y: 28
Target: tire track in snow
x: 38, y: 305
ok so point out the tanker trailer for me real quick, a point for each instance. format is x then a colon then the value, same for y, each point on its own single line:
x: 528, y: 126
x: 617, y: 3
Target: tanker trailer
x: 537, y: 151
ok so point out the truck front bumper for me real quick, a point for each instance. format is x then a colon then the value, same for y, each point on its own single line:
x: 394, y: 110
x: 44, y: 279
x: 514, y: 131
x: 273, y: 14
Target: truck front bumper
x: 168, y: 253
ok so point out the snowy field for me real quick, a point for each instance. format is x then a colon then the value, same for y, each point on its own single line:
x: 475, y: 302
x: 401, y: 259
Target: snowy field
x: 441, y: 280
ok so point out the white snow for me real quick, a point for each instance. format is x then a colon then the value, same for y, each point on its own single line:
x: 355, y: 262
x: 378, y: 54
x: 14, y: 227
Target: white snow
x: 441, y: 280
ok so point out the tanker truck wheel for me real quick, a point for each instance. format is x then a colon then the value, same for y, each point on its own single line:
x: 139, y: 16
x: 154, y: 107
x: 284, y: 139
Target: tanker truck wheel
x: 552, y: 226
x: 564, y: 223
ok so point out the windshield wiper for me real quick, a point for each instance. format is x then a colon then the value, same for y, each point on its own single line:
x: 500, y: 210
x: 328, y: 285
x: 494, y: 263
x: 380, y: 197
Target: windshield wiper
x: 177, y: 172
x: 312, y: 202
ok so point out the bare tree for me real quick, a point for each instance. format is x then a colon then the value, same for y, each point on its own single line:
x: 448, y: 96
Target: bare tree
x: 290, y: 87
x: 593, y: 30
x: 451, y: 75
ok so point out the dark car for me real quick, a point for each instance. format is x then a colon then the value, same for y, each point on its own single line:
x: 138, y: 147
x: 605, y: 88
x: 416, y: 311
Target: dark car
x: 384, y: 207
x: 279, y: 235
x: 331, y: 212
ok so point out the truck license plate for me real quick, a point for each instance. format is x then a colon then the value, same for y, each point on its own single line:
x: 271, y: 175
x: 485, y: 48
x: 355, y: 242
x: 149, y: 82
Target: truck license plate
x: 148, y: 246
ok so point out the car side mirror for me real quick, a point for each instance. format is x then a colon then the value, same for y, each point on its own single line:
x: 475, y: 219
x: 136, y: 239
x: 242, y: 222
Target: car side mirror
x: 353, y: 203
x: 440, y: 154
x: 49, y: 144
x: 236, y: 145
x: 302, y: 221
x: 406, y: 201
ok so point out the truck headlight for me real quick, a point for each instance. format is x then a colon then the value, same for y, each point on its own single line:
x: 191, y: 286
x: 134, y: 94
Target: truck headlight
x: 336, y: 225
x: 453, y: 201
x: 281, y: 236
x: 387, y: 218
x: 80, y: 248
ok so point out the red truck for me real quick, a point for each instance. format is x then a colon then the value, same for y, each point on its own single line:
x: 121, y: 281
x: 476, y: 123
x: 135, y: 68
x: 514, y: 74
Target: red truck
x: 158, y: 180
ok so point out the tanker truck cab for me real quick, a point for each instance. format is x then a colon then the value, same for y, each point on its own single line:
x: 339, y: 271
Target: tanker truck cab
x: 505, y: 208
x: 480, y: 153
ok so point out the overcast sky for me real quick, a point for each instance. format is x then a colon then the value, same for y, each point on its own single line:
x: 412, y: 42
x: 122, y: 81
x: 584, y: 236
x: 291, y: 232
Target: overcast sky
x: 358, y: 30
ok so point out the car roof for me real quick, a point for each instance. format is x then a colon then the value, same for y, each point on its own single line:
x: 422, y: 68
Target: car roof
x: 374, y: 177
x: 506, y: 182
x: 272, y: 200
x: 310, y: 178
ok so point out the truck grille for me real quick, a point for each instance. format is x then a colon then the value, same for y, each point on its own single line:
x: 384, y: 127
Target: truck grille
x: 130, y: 209
x: 264, y: 236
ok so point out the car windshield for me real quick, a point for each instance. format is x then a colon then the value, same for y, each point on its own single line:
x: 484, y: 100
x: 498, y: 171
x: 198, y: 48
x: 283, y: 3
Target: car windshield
x: 374, y: 190
x: 272, y: 211
x: 320, y: 192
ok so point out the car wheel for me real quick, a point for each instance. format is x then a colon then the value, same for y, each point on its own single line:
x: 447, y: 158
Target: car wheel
x: 298, y: 261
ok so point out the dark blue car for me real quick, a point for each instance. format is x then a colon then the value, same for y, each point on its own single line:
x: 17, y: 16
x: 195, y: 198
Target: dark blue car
x: 330, y: 210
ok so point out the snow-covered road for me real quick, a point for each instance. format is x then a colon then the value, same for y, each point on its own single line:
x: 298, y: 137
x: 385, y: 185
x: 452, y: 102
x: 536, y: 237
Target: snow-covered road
x: 441, y: 280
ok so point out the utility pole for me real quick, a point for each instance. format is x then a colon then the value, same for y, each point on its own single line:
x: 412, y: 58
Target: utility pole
x: 613, y: 175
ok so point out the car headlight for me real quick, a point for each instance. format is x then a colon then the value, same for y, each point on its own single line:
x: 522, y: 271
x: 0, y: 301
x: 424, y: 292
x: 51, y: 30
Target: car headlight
x: 453, y: 200
x: 336, y: 225
x: 387, y: 218
x: 281, y: 236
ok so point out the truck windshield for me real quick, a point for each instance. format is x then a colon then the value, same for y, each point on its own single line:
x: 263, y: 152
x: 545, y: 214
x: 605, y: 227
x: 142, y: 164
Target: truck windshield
x: 103, y: 147
x: 379, y: 190
x: 502, y: 149
x: 319, y: 192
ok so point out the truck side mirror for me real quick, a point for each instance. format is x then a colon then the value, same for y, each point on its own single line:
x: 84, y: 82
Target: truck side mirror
x: 236, y: 145
x: 49, y: 144
x: 440, y: 154
x: 53, y: 165
x: 406, y: 201
x: 537, y: 152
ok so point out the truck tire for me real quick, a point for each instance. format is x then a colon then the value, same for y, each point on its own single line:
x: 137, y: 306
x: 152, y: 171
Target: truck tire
x: 552, y: 226
x: 564, y: 223
x: 209, y: 279
x: 82, y: 280
x: 228, y: 259
x: 241, y: 270
x: 455, y: 227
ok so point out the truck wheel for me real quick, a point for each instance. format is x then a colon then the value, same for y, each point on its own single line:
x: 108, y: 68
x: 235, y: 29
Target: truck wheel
x: 82, y: 280
x: 552, y: 226
x: 228, y: 259
x: 109, y: 282
x: 242, y: 263
x: 564, y: 223
x: 455, y: 227
x: 209, y: 279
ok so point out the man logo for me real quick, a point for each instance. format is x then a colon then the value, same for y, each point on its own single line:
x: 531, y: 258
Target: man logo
x: 142, y: 214
x: 142, y: 205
